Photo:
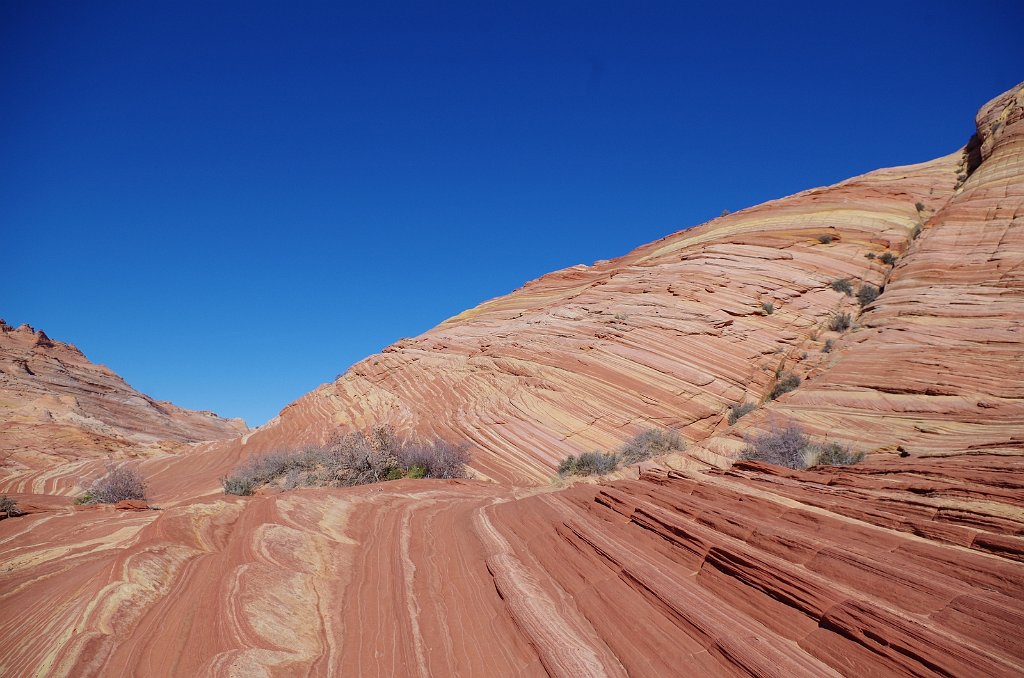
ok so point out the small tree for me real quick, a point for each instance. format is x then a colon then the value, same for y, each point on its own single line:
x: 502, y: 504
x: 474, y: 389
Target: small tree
x: 9, y: 507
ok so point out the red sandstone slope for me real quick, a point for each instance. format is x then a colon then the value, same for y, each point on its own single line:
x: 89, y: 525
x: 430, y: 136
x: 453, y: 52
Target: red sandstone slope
x: 671, y: 334
x: 56, y: 406
x: 897, y: 566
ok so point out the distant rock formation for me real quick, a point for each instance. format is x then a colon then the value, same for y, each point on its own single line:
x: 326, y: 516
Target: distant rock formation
x: 56, y: 406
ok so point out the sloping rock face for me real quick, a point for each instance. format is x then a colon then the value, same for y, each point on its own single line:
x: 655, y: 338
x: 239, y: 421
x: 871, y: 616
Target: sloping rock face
x: 56, y: 406
x: 911, y: 563
x: 936, y: 364
x: 669, y: 335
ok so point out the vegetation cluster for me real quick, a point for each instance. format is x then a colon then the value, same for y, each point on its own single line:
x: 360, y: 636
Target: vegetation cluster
x: 644, y: 445
x: 353, y: 459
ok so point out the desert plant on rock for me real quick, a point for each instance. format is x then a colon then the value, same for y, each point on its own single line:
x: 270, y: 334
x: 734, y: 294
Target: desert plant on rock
x: 887, y: 258
x: 649, y: 443
x: 827, y: 348
x: 840, y: 322
x: 439, y: 459
x: 831, y: 454
x: 738, y: 410
x: 789, y: 446
x: 119, y: 483
x: 786, y: 382
x: 768, y: 307
x: 843, y: 285
x: 588, y: 464
x: 9, y: 507
x: 869, y: 255
x: 353, y: 459
x: 826, y: 238
x: 867, y: 294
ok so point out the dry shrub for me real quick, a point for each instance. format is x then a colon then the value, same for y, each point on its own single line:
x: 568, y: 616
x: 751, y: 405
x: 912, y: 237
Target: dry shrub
x: 649, y: 443
x: 119, y: 483
x: 353, y: 459
x: 786, y: 382
x: 9, y: 507
x: 589, y: 464
x: 789, y: 446
x: 739, y: 410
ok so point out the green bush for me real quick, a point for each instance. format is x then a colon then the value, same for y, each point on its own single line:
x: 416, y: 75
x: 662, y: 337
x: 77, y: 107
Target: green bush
x: 843, y: 285
x: 768, y: 307
x: 738, y: 410
x: 867, y: 294
x: 840, y: 322
x: 649, y: 443
x: 786, y: 382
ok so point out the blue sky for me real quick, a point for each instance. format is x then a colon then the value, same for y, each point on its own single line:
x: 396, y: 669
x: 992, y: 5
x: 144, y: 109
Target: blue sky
x: 230, y: 203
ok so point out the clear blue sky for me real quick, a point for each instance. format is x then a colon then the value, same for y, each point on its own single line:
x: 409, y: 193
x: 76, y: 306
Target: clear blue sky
x: 230, y: 203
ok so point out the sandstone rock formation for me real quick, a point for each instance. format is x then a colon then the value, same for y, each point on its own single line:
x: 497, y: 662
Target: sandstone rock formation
x: 911, y: 563
x: 56, y: 406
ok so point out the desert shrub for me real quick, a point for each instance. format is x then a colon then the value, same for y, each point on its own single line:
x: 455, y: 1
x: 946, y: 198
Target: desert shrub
x: 589, y: 464
x: 241, y: 486
x: 650, y: 443
x: 9, y: 507
x: 831, y: 454
x: 916, y: 232
x: 827, y: 348
x: 725, y: 213
x: 738, y: 410
x: 768, y: 307
x: 786, y: 382
x: 826, y: 238
x: 354, y: 459
x: 779, y: 446
x: 887, y: 258
x: 440, y: 459
x: 843, y: 285
x: 789, y: 446
x: 919, y: 206
x: 119, y: 483
x: 840, y: 322
x: 866, y: 294
x: 869, y: 255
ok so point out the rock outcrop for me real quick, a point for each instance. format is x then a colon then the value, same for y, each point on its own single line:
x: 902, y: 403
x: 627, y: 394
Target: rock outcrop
x: 56, y: 406
x: 910, y: 563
